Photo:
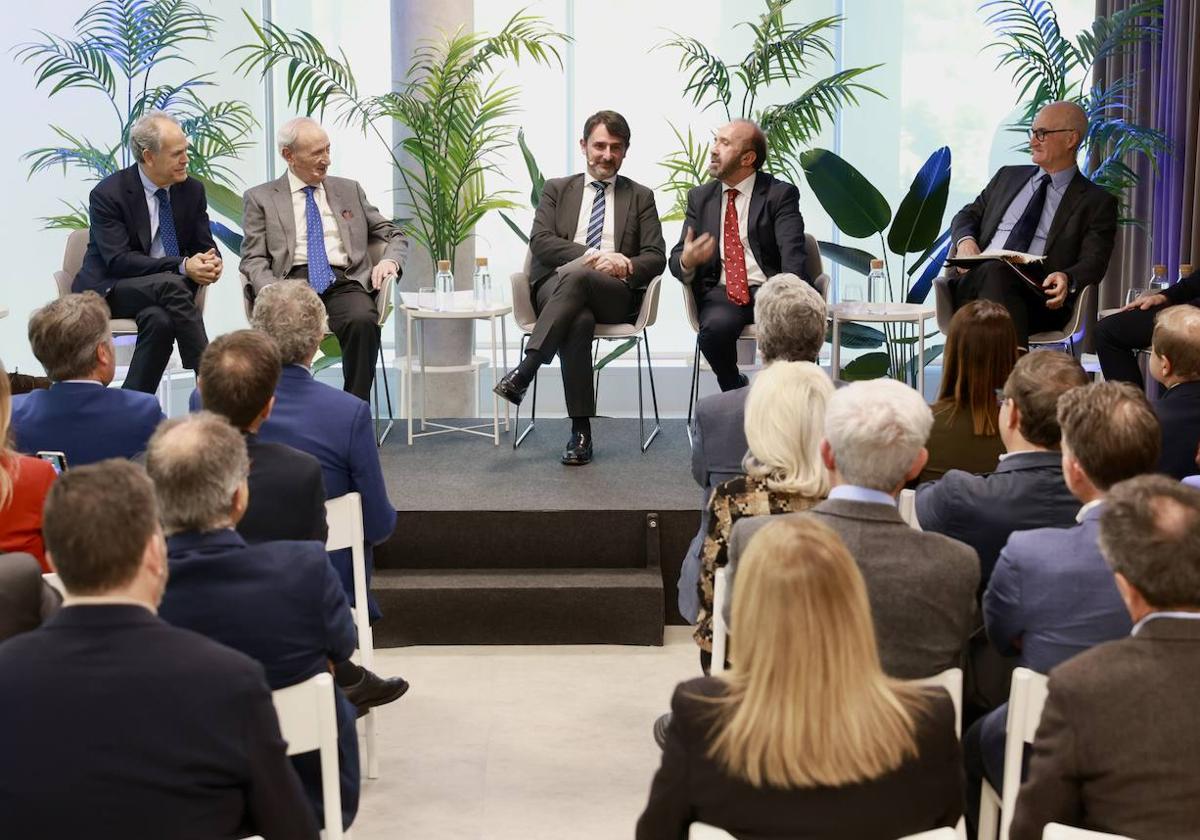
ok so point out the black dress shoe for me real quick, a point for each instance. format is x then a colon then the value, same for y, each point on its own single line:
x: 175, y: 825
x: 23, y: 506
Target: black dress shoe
x: 373, y: 690
x: 510, y: 388
x: 660, y: 730
x: 578, y: 451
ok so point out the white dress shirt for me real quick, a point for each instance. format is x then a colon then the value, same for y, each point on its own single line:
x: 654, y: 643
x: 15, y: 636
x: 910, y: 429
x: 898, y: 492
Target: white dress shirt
x: 754, y: 274
x: 607, y: 236
x: 334, y: 249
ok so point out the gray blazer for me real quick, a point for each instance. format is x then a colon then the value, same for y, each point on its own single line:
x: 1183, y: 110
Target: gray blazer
x: 269, y: 228
x: 1118, y: 749
x: 921, y: 585
x: 25, y: 599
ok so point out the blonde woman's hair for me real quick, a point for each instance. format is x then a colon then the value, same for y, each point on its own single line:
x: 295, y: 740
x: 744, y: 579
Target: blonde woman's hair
x: 807, y: 703
x: 8, y: 459
x: 785, y: 413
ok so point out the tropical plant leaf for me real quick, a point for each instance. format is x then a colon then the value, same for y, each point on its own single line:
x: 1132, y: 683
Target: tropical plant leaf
x: 616, y: 353
x: 78, y: 153
x: 852, y: 202
x: 76, y: 219
x: 223, y: 200
x: 918, y: 219
x: 69, y: 64
x: 931, y: 353
x: 847, y: 257
x: 231, y: 238
x: 855, y: 336
x: 687, y: 167
x: 928, y: 252
x: 536, y: 178
x: 920, y: 288
x: 524, y: 237
x: 331, y: 353
x: 709, y: 75
x: 866, y: 366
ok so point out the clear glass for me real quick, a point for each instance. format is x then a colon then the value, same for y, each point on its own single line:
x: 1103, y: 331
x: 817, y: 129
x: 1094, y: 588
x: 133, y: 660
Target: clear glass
x: 426, y: 298
x: 1134, y: 293
x: 853, y: 293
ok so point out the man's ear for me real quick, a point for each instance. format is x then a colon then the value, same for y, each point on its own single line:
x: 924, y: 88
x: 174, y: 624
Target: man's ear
x: 827, y: 456
x: 1014, y: 416
x: 918, y: 464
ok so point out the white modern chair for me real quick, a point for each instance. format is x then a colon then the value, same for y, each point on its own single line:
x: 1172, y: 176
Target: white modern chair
x: 55, y: 581
x: 720, y: 629
x: 952, y: 680
x: 907, y: 506
x: 307, y: 722
x: 344, y: 516
x: 1026, y: 698
x: 638, y: 332
x: 1058, y: 831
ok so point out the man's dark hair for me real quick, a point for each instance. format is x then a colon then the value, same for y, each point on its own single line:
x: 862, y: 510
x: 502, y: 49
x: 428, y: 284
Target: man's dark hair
x: 238, y: 375
x: 1150, y: 533
x: 1111, y: 431
x: 97, y: 522
x: 1035, y: 384
x: 612, y: 121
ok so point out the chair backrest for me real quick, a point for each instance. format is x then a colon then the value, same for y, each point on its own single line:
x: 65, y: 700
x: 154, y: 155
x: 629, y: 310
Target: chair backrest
x: 943, y: 302
x: 522, y: 296
x: 55, y: 581
x: 1058, y: 831
x: 813, y: 266
x: 720, y: 629
x: 907, y: 506
x: 689, y: 308
x: 704, y: 831
x: 648, y: 312
x: 344, y: 517
x: 77, y: 243
x: 1026, y: 698
x: 952, y: 680
x: 1082, y: 304
x: 308, y: 722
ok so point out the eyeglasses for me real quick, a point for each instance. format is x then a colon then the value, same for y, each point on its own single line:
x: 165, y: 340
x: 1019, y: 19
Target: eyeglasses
x: 1001, y: 397
x: 1040, y: 134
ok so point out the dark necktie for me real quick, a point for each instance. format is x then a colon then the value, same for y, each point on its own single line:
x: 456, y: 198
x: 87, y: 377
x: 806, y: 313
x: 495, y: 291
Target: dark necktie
x: 736, y: 286
x: 166, y: 224
x: 595, y: 227
x: 320, y: 275
x: 1020, y: 237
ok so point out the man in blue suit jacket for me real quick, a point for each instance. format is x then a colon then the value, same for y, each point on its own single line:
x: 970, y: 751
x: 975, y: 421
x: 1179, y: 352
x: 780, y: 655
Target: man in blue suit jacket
x: 1175, y: 363
x: 278, y: 602
x: 79, y: 415
x: 1052, y: 594
x: 114, y: 724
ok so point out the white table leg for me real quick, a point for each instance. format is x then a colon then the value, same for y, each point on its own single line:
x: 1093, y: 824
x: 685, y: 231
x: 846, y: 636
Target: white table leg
x: 921, y: 357
x: 408, y: 351
x: 495, y: 399
x: 835, y: 354
x: 424, y: 401
x: 504, y: 350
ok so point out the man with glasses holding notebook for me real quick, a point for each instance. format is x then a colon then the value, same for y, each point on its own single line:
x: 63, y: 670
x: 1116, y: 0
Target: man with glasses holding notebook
x: 1049, y: 210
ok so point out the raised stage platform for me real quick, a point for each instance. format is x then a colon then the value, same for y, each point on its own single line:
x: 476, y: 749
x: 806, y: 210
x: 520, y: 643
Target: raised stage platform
x: 496, y: 546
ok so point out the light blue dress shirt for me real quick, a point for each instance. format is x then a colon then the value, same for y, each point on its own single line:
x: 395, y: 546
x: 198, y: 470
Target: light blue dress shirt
x: 853, y: 493
x: 1054, y: 194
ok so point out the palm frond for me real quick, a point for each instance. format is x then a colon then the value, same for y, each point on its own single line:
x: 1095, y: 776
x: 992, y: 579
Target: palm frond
x: 138, y: 34
x: 77, y: 152
x: 75, y: 219
x: 1119, y: 32
x: 784, y: 52
x: 709, y: 75
x: 1033, y: 46
x: 68, y: 64
x: 686, y: 167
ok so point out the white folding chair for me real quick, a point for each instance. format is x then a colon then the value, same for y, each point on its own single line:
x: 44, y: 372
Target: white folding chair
x: 54, y: 580
x: 1025, y: 701
x: 720, y: 629
x: 344, y: 516
x: 704, y: 831
x: 307, y: 722
x: 952, y: 680
x: 907, y: 506
x: 1058, y: 831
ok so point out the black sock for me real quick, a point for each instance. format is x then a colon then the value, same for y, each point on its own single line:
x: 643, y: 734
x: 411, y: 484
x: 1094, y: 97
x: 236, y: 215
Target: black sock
x: 529, y: 366
x: 581, y: 425
x: 347, y: 673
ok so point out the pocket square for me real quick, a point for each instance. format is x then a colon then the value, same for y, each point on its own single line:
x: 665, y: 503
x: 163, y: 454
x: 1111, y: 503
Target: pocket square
x: 346, y: 214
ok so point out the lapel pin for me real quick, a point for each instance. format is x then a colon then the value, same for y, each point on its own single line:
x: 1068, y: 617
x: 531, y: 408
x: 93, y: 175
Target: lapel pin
x: 346, y: 214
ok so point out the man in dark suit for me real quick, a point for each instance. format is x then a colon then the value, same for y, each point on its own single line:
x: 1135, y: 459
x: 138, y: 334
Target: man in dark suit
x: 1027, y: 488
x: 1175, y: 364
x: 150, y: 249
x: 145, y: 724
x: 277, y: 602
x: 1048, y: 209
x: 596, y: 244
x: 26, y: 600
x: 1116, y: 750
x: 741, y: 228
x: 79, y: 415
x: 791, y: 327
x: 1121, y: 335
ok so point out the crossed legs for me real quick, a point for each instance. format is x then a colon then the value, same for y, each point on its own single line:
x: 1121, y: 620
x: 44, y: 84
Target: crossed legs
x: 164, y: 307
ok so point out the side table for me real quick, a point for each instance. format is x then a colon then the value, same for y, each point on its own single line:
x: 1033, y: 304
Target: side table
x: 895, y: 313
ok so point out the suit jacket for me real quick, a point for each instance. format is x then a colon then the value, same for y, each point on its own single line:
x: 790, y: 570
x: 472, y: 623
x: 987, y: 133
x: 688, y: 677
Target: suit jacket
x: 924, y: 792
x: 921, y: 586
x: 637, y: 232
x: 1187, y: 289
x: 1026, y: 490
x: 775, y: 229
x: 86, y: 422
x: 119, y: 230
x: 1053, y: 591
x: 1178, y: 411
x: 1081, y: 235
x: 144, y: 724
x: 269, y: 227
x: 1117, y: 749
x: 287, y: 495
x: 25, y: 599
x: 279, y: 603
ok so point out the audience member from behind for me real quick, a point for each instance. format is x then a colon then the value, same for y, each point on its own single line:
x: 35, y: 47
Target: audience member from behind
x: 921, y: 586
x: 24, y: 483
x: 1052, y: 595
x: 1027, y: 489
x: 331, y: 425
x: 278, y: 602
x: 806, y: 736
x: 790, y: 315
x: 1175, y: 363
x: 784, y: 473
x: 981, y: 349
x: 111, y: 719
x: 79, y: 415
x: 1116, y: 748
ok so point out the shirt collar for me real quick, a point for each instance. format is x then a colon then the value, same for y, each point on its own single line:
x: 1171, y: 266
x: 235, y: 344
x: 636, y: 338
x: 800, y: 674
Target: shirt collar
x: 105, y: 600
x: 1083, y: 511
x: 149, y: 186
x: 744, y: 186
x: 1186, y: 615
x: 1061, y: 178
x: 81, y: 382
x: 588, y: 180
x: 297, y: 185
x: 853, y: 493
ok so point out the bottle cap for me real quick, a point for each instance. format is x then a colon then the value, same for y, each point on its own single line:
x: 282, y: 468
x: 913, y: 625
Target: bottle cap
x: 1185, y: 268
x: 443, y: 265
x: 876, y: 264
x: 481, y: 262
x: 1160, y: 269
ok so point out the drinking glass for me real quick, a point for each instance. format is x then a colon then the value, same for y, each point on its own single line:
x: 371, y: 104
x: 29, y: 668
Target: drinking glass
x: 426, y: 298
x: 1134, y: 293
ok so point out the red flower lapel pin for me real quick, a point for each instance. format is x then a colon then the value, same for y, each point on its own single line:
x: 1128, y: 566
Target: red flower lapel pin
x: 347, y: 215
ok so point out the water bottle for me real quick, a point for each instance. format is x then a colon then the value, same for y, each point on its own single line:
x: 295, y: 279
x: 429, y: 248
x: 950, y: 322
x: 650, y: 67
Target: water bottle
x: 443, y: 286
x: 482, y: 284
x: 1185, y: 270
x: 877, y: 287
x: 1158, y: 281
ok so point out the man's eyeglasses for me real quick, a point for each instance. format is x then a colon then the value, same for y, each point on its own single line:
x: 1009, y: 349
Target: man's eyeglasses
x: 1001, y: 397
x: 1040, y: 134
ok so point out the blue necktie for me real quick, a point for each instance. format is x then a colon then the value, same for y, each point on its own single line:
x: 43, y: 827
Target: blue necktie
x: 320, y: 275
x: 166, y: 224
x: 1021, y: 236
x: 596, y: 222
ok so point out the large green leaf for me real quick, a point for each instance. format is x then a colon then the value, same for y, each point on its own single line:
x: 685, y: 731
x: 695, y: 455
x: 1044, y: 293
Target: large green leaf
x: 866, y: 366
x: 222, y: 199
x: 918, y: 219
x: 536, y: 178
x: 856, y: 207
x: 855, y: 336
x: 847, y: 257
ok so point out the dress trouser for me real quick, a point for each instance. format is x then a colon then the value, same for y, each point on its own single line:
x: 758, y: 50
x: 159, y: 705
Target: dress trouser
x: 354, y: 319
x: 164, y: 307
x: 996, y: 282
x: 569, y: 304
x: 721, y: 322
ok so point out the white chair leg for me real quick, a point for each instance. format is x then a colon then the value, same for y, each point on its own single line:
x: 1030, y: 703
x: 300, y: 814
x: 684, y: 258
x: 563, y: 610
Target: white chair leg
x: 989, y: 813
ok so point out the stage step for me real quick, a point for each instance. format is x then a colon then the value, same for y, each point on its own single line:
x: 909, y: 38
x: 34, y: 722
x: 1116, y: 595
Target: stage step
x: 519, y: 606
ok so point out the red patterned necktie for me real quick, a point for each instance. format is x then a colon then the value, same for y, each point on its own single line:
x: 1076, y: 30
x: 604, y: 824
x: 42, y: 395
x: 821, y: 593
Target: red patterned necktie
x: 736, y: 286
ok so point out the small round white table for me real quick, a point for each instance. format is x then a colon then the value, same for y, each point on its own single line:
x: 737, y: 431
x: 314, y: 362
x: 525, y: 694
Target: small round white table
x: 876, y: 313
x: 464, y: 308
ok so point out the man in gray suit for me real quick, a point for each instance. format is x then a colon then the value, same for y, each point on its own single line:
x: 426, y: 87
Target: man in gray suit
x: 921, y: 586
x: 26, y: 600
x: 596, y: 244
x: 790, y: 315
x: 1117, y: 747
x: 308, y: 225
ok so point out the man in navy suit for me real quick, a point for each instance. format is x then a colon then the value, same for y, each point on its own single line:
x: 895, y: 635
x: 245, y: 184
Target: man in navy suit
x: 1175, y: 364
x: 79, y: 415
x: 1121, y: 335
x: 278, y: 602
x: 114, y: 724
x: 741, y: 228
x: 150, y: 249
x: 1052, y: 594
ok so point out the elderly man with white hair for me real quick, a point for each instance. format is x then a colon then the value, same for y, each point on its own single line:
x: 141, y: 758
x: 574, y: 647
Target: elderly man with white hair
x: 310, y: 226
x: 921, y: 585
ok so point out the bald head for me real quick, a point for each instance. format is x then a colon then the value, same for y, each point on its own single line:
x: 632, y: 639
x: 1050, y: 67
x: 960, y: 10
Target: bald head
x: 739, y: 148
x: 1065, y: 127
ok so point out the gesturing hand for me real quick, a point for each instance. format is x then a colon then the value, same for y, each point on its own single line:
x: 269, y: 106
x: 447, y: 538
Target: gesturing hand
x: 696, y: 249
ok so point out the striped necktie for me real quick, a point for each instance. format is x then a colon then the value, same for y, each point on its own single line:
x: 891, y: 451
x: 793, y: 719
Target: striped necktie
x: 596, y: 222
